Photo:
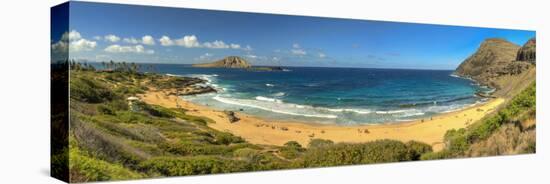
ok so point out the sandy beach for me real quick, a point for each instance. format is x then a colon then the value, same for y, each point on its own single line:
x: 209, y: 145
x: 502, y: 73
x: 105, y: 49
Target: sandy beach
x: 275, y: 132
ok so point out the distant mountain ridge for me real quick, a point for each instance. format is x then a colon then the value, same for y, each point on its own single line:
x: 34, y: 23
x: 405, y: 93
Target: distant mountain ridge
x: 502, y: 65
x: 227, y: 62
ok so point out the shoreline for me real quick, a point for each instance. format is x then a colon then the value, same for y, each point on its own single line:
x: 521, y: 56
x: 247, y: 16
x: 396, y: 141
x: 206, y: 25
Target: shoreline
x: 258, y: 130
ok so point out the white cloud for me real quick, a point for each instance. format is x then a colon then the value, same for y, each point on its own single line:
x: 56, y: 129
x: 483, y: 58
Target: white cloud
x: 60, y: 47
x: 82, y: 45
x: 128, y: 49
x: 188, y: 41
x: 102, y: 57
x: 166, y: 41
x: 97, y: 37
x: 216, y: 45
x: 71, y: 36
x: 131, y: 40
x: 205, y: 56
x: 247, y: 48
x: 73, y: 42
x: 322, y: 55
x: 112, y: 38
x: 192, y: 41
x: 299, y: 52
x: 251, y: 56
x: 148, y: 40
x: 235, y: 46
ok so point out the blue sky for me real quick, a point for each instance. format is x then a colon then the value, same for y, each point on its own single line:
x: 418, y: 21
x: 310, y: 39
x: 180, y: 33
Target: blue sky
x: 102, y: 32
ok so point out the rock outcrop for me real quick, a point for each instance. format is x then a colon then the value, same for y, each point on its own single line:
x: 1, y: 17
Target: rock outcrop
x: 528, y: 51
x: 231, y: 116
x: 501, y: 65
x: 228, y: 62
x: 490, y: 59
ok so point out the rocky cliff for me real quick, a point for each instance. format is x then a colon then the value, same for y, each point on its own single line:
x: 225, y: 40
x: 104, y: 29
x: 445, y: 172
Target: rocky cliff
x: 228, y: 62
x: 528, y: 51
x: 491, y: 56
x: 496, y: 64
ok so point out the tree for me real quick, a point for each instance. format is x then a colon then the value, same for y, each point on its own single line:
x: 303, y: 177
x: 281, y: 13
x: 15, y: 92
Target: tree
x: 111, y: 64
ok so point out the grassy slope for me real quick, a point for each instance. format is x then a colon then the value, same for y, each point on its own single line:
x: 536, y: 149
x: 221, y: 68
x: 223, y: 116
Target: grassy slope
x: 511, y: 130
x: 110, y: 142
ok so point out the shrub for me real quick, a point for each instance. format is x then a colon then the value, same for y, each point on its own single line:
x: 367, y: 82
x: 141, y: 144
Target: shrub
x: 227, y: 138
x: 118, y: 105
x: 290, y: 152
x: 293, y: 144
x: 181, y: 166
x: 194, y: 149
x: 180, y: 113
x: 416, y: 149
x: 364, y: 153
x: 246, y: 153
x: 92, y: 169
x: 139, y: 132
x: 437, y: 155
x: 319, y: 143
x: 103, y: 109
x: 456, y: 140
x: 89, y: 91
x: 133, y: 117
x: 156, y: 110
x: 129, y: 90
x: 104, y: 145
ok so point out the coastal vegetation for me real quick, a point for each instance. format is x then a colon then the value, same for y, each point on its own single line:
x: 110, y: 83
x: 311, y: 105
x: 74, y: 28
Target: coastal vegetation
x: 110, y: 141
x: 513, y: 124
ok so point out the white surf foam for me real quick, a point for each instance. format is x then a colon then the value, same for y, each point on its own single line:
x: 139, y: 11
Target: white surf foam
x: 395, y: 111
x: 173, y: 75
x: 454, y: 75
x: 261, y: 98
x: 282, y: 108
x: 279, y: 94
x: 358, y: 111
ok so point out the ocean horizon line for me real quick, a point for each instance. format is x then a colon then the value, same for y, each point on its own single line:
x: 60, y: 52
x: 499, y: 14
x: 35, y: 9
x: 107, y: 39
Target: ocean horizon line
x: 339, y: 67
